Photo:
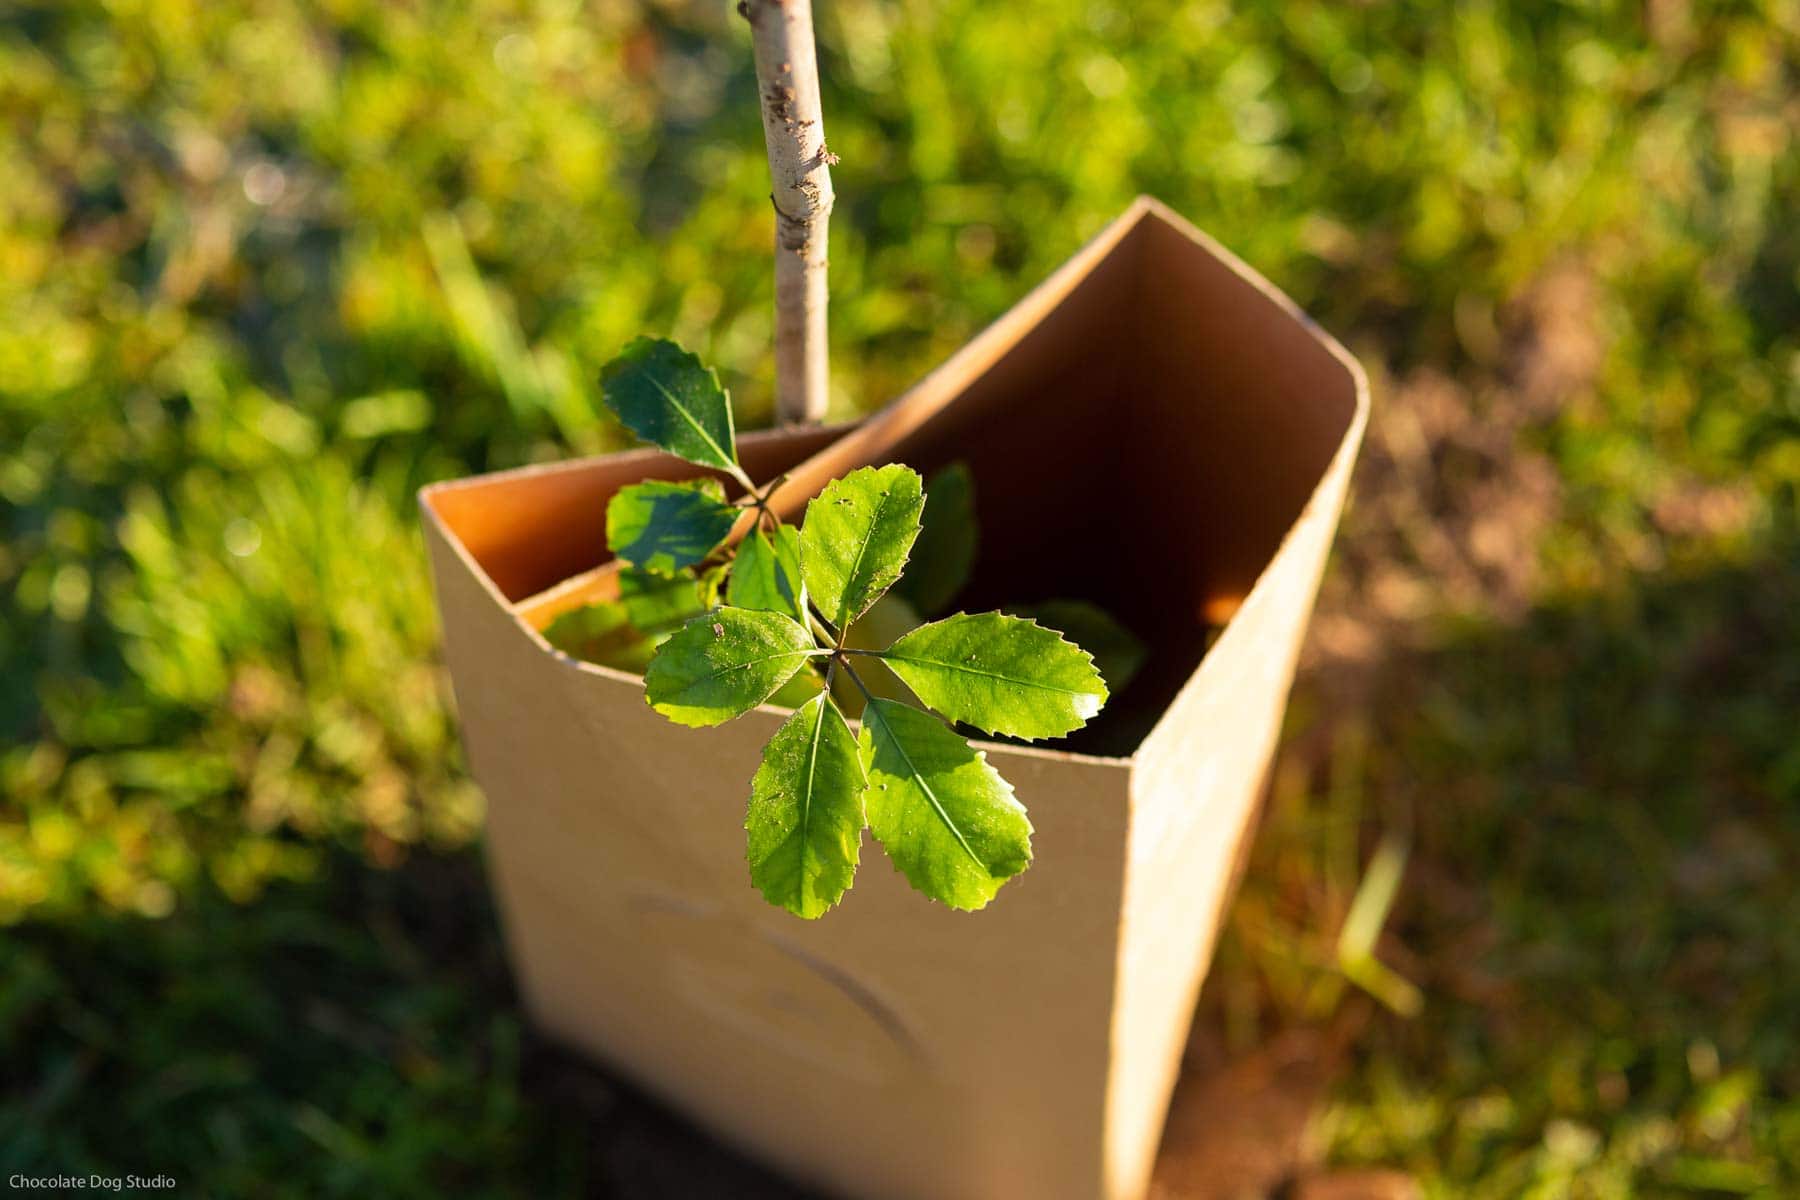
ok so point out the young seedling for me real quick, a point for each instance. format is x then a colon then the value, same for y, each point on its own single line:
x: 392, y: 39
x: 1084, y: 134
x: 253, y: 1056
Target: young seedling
x: 803, y: 608
x: 787, y: 631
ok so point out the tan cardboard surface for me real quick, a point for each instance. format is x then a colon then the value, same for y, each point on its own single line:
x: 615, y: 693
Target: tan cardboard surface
x: 1153, y: 428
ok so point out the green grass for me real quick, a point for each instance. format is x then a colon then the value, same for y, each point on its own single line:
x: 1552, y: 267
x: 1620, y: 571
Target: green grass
x: 264, y: 269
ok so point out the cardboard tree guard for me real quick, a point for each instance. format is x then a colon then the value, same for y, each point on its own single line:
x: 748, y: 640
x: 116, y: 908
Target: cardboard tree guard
x: 1154, y: 428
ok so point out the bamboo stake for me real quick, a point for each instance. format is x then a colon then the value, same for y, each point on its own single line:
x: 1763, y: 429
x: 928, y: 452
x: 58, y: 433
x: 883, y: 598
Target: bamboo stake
x: 787, y: 82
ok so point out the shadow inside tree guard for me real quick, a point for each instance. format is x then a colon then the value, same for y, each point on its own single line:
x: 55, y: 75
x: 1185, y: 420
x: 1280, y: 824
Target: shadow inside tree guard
x: 1144, y: 453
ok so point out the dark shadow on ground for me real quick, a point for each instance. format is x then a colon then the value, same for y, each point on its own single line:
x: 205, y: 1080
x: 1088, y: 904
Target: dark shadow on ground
x: 355, y: 1036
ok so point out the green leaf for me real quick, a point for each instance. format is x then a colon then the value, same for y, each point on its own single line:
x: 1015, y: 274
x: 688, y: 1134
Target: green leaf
x: 624, y: 633
x: 945, y: 552
x: 1000, y: 674
x: 806, y: 811
x: 601, y: 633
x: 944, y: 815
x: 667, y: 397
x: 664, y: 527
x: 724, y: 663
x: 856, y: 538
x: 766, y: 573
x: 1118, y: 653
x: 660, y: 604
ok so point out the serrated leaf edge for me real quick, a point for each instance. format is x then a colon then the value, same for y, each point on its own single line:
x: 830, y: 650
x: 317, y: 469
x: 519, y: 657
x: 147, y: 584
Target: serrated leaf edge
x: 710, y: 373
x: 712, y: 488
x: 1105, y: 692
x: 811, y: 770
x: 863, y: 548
x: 1012, y: 798
x: 803, y: 655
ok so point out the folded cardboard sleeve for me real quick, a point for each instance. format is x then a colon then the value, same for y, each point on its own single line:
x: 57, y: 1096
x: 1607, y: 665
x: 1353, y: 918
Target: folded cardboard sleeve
x: 1155, y: 429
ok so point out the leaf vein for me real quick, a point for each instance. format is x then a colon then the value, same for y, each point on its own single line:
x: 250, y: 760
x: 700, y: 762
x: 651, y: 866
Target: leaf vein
x: 890, y: 656
x: 930, y: 796
x: 862, y: 550
x: 679, y: 407
x: 717, y: 672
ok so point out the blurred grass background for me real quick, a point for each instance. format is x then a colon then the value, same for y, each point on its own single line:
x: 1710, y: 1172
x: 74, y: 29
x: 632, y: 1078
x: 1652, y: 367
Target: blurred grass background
x: 267, y: 266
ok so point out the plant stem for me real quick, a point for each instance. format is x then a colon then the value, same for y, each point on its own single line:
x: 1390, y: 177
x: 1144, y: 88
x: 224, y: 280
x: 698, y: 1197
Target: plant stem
x: 857, y: 680
x: 763, y: 497
x: 787, y: 81
x: 738, y: 474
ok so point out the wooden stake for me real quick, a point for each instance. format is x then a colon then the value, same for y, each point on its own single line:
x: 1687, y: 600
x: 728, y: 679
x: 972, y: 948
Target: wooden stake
x: 787, y: 80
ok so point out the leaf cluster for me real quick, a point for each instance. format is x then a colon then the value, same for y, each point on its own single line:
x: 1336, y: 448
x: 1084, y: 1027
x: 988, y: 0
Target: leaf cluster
x: 793, y: 627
